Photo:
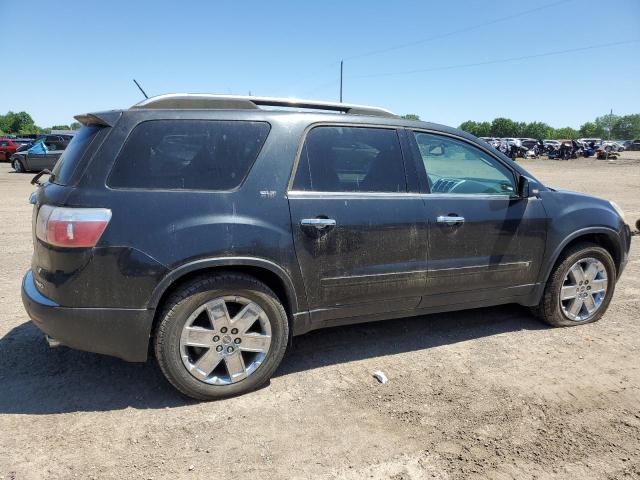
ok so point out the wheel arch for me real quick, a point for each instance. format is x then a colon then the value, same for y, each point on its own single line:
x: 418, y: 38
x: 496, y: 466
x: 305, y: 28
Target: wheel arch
x: 607, y: 238
x: 269, y: 273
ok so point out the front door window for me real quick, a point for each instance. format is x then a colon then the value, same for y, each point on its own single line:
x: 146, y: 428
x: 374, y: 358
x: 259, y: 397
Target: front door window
x: 455, y: 167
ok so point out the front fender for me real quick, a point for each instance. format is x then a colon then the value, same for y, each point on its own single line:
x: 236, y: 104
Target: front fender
x: 574, y: 215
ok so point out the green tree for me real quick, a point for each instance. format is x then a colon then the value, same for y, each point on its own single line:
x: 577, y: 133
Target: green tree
x: 537, y: 130
x: 75, y: 126
x: 484, y: 129
x: 504, y: 127
x: 17, y: 123
x: 565, y: 133
x: 590, y: 130
x: 470, y: 127
x: 627, y: 127
x: 60, y: 127
x: 411, y: 116
x: 605, y: 124
x: 479, y: 129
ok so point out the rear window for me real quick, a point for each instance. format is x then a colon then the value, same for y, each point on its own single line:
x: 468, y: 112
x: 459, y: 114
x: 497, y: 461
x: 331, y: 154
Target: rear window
x: 70, y: 159
x: 188, y: 154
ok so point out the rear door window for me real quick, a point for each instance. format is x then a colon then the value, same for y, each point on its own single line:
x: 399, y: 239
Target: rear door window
x: 351, y: 159
x: 188, y: 154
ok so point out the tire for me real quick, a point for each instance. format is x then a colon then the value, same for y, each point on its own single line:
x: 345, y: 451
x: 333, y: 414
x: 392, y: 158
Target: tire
x: 179, y: 363
x: 18, y: 167
x: 551, y: 308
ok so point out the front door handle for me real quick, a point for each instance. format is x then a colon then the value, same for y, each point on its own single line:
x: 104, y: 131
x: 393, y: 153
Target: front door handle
x: 319, y: 223
x: 450, y: 219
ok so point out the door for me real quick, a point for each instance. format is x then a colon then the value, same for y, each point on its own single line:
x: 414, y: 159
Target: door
x: 484, y: 241
x: 360, y: 236
x: 55, y: 148
x: 36, y: 159
x: 4, y: 150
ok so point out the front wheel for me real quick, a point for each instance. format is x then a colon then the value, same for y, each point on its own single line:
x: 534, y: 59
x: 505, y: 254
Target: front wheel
x: 580, y: 287
x: 220, y: 336
x: 18, y: 167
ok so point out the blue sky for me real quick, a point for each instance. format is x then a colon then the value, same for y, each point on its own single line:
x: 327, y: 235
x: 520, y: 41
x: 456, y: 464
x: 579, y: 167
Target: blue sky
x: 73, y: 57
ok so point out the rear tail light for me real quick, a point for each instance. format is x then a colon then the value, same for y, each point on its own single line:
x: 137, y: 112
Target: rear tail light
x: 71, y: 227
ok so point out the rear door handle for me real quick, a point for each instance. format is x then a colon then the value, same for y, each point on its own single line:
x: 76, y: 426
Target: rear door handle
x: 319, y: 223
x: 450, y: 219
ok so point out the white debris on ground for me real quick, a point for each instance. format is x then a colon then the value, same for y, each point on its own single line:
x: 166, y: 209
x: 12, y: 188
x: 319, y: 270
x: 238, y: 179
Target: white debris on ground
x: 380, y: 376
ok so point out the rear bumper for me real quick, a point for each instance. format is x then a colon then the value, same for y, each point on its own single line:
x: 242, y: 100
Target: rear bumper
x: 122, y: 333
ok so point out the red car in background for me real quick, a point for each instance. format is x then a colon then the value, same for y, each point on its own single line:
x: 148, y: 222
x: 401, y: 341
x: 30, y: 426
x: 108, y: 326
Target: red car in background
x: 8, y: 146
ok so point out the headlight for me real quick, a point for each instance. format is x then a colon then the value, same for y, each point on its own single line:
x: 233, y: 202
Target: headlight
x: 618, y: 210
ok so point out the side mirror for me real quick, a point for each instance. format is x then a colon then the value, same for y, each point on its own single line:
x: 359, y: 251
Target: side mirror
x: 524, y: 188
x: 436, y: 150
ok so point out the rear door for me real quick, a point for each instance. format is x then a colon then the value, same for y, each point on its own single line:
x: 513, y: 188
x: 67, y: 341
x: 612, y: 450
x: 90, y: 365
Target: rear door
x: 484, y: 241
x: 359, y: 233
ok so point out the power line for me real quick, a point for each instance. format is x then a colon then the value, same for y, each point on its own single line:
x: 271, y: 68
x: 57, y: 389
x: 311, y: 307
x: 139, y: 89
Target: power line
x: 455, y: 32
x: 491, y: 62
x: 322, y: 86
x: 315, y: 73
x: 429, y: 39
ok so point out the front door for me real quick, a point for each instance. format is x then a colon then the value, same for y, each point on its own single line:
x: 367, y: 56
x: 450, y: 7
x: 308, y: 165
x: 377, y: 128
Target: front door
x: 484, y: 241
x: 34, y: 161
x: 360, y: 236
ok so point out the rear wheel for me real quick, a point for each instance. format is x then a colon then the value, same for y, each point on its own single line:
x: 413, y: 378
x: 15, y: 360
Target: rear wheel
x: 580, y: 288
x: 18, y: 167
x: 220, y: 336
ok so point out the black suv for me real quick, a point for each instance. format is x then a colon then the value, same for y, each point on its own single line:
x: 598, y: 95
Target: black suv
x: 208, y: 230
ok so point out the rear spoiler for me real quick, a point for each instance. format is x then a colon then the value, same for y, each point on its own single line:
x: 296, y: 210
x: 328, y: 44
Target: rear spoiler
x: 103, y: 119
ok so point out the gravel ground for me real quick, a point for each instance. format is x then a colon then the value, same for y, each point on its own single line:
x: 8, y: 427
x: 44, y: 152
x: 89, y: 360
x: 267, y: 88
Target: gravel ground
x: 487, y: 393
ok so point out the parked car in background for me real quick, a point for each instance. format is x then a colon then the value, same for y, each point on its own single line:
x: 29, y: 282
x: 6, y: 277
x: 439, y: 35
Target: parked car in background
x: 25, y: 160
x: 9, y: 146
x: 634, y: 146
x: 493, y: 141
x: 210, y: 229
x: 591, y: 141
x: 612, y: 146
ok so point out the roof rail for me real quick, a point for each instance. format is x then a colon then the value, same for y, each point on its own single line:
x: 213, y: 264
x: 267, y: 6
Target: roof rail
x: 239, y: 102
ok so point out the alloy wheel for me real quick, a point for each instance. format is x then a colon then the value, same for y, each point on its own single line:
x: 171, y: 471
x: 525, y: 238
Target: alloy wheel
x: 225, y: 340
x: 584, y: 289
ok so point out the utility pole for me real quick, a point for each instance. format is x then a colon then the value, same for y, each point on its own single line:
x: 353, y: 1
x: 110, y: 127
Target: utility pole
x: 610, y: 123
x: 341, y: 65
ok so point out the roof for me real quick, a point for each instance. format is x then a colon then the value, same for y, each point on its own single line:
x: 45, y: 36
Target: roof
x: 239, y: 102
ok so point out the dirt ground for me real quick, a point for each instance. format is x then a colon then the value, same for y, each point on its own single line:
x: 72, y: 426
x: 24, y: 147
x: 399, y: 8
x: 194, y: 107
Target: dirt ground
x: 488, y: 393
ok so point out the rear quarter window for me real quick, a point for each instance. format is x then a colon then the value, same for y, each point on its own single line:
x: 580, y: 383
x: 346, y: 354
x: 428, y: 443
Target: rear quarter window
x: 188, y: 154
x: 70, y: 159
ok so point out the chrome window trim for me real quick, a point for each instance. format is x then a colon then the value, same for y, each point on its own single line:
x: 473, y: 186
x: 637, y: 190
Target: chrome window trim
x: 470, y: 196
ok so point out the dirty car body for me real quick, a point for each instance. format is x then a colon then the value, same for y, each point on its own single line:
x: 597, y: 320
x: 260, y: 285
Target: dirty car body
x: 333, y: 247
